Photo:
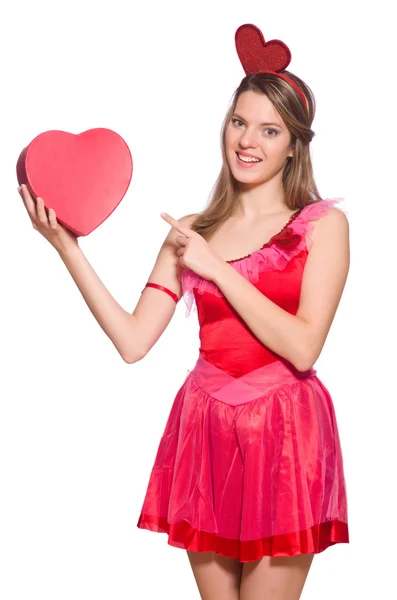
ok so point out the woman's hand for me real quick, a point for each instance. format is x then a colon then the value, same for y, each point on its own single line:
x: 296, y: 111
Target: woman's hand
x: 194, y: 252
x: 45, y: 221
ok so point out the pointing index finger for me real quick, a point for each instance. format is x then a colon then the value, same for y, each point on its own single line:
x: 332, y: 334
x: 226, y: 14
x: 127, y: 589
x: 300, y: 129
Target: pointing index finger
x: 177, y: 225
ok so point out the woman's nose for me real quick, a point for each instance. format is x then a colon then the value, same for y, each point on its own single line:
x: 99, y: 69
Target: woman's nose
x: 248, y: 138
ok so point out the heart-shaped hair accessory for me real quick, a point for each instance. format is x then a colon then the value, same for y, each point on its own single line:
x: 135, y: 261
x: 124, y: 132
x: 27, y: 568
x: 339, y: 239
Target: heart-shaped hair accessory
x: 82, y: 177
x: 258, y: 56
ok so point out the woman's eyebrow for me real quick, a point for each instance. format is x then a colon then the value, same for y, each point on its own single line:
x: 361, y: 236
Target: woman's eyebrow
x: 240, y: 117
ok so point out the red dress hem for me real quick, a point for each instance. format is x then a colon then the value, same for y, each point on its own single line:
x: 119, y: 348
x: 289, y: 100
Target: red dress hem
x: 313, y: 540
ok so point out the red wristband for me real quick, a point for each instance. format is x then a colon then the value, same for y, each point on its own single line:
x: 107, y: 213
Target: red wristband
x: 162, y: 289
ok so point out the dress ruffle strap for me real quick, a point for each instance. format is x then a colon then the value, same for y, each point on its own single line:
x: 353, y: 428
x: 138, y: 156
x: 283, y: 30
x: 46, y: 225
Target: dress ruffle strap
x: 274, y: 255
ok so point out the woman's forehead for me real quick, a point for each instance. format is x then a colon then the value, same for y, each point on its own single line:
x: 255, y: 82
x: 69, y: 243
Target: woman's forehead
x: 257, y: 108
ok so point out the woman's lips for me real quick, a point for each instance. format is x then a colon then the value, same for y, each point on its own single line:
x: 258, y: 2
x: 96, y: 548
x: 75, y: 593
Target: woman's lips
x: 246, y: 165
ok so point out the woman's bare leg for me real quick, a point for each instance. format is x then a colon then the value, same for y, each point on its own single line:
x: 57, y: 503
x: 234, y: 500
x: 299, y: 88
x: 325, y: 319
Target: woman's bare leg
x: 217, y: 577
x: 272, y: 578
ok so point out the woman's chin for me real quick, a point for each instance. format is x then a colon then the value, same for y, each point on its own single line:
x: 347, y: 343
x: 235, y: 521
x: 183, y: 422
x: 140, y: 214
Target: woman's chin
x: 247, y: 178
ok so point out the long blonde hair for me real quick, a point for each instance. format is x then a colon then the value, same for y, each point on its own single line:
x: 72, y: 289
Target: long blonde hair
x: 298, y: 180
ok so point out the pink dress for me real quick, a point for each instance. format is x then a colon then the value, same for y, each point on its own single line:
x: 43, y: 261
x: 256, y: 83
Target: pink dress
x: 250, y: 461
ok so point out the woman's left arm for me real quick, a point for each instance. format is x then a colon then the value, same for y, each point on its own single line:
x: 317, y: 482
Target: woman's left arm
x: 297, y: 338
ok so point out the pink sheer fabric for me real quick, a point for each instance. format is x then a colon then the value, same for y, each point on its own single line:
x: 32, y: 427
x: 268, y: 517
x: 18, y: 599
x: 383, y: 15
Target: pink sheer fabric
x: 269, y: 258
x: 240, y: 390
x: 249, y: 466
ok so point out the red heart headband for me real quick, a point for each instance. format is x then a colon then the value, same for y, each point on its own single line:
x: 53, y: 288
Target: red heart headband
x: 258, y: 56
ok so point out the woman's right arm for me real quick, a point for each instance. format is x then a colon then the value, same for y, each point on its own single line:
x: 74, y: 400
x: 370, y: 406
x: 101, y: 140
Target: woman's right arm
x: 135, y: 334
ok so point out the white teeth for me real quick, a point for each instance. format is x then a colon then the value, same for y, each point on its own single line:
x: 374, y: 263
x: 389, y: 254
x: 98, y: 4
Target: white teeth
x: 248, y: 158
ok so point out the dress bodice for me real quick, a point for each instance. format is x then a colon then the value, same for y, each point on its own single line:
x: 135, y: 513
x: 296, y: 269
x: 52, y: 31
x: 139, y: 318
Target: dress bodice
x: 276, y: 270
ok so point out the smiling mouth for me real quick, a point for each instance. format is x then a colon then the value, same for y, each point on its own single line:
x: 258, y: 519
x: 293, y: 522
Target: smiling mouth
x: 248, y: 159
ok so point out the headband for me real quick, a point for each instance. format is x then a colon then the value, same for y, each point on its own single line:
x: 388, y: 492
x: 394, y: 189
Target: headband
x: 258, y: 56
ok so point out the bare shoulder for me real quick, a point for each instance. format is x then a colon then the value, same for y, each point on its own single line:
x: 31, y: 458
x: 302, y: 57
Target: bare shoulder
x: 188, y: 219
x: 169, y: 241
x: 334, y: 224
x: 334, y: 217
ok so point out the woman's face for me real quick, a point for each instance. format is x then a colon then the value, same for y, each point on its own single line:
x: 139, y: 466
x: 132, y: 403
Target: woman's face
x: 257, y: 140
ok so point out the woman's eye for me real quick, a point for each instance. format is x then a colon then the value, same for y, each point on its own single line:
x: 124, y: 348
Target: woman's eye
x: 274, y: 132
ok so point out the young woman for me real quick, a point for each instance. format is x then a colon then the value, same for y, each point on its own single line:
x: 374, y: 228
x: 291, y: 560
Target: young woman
x: 248, y: 477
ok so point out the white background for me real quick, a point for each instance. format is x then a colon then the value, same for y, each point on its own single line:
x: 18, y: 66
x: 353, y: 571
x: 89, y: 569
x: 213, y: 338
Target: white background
x: 79, y: 428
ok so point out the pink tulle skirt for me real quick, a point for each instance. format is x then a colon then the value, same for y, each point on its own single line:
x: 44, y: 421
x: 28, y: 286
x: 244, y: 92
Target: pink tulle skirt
x: 249, y: 466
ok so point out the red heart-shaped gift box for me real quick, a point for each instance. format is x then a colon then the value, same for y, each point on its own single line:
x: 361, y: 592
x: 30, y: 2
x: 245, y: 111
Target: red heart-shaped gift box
x: 82, y: 177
